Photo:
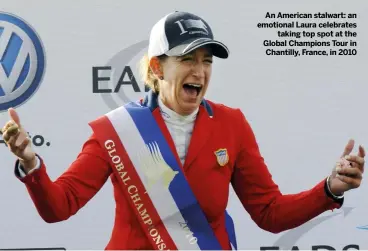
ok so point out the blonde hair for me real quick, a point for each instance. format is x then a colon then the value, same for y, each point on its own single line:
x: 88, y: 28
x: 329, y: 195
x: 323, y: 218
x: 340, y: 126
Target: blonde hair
x: 147, y: 75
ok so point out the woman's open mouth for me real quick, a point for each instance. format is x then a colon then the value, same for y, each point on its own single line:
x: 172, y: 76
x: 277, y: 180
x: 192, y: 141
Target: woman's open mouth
x: 192, y: 89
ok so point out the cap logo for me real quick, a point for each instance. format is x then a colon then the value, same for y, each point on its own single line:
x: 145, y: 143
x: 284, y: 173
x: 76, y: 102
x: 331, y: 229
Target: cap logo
x: 188, y: 24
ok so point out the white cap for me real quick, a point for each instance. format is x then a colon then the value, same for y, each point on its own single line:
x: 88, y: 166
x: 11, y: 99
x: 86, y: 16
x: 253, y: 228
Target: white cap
x: 179, y: 33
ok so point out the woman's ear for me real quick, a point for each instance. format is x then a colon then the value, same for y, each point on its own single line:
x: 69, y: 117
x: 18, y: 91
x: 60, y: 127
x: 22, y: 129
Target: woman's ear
x: 156, y: 67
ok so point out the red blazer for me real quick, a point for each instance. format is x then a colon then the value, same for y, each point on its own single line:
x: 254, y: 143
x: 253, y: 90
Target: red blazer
x: 217, y: 126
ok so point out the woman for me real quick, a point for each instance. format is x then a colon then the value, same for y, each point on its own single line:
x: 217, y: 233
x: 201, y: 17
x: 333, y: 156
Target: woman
x: 172, y: 155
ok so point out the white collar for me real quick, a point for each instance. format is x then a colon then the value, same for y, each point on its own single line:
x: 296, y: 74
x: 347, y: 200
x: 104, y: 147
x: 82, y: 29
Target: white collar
x: 173, y: 117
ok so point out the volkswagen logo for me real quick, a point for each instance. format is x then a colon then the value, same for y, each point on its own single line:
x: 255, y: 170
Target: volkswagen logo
x: 22, y: 61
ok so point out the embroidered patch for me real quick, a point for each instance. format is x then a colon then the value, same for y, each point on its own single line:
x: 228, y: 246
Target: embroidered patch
x: 222, y: 156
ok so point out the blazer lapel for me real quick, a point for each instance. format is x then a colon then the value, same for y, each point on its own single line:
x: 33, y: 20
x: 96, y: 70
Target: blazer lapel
x: 203, y: 129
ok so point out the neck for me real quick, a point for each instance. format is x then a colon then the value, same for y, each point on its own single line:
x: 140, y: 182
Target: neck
x: 163, y: 101
x: 167, y: 108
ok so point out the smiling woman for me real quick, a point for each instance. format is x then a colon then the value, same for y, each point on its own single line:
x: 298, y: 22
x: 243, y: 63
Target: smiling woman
x: 172, y: 155
x: 181, y: 81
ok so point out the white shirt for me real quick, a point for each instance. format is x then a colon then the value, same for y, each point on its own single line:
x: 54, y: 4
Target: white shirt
x: 180, y: 128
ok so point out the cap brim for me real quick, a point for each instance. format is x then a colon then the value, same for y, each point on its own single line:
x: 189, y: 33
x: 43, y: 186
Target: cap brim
x: 218, y: 49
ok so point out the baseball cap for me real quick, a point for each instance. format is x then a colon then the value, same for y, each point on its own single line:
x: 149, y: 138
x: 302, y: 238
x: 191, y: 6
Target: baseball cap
x: 179, y: 33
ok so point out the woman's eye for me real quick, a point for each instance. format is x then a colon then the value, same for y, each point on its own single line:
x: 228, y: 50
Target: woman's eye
x: 186, y: 59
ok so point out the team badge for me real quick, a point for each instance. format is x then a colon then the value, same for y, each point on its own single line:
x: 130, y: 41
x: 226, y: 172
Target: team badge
x: 222, y: 156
